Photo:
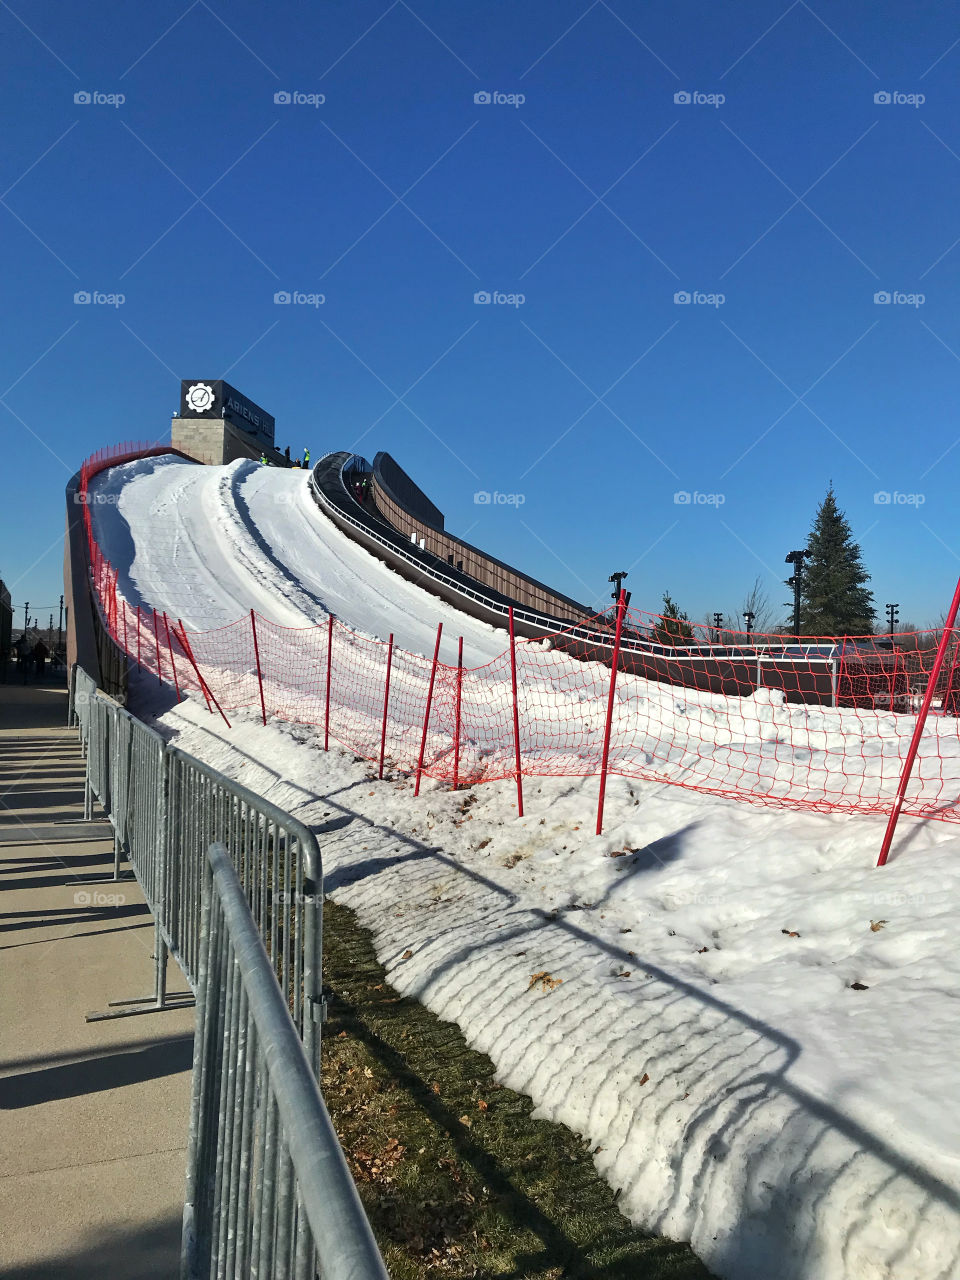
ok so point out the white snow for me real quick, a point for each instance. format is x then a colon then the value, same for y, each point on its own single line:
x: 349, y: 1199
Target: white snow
x: 706, y: 1036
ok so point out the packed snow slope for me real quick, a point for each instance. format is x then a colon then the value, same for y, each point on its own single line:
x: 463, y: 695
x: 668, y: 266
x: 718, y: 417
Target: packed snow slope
x: 208, y: 544
x: 757, y: 1031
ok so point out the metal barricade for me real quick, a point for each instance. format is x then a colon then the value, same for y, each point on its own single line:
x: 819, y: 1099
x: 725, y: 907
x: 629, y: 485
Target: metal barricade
x: 269, y: 1193
x: 167, y: 808
x: 278, y: 863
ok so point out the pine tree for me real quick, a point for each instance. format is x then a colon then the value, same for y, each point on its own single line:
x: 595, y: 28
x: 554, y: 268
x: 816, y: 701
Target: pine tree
x: 673, y: 628
x: 835, y: 596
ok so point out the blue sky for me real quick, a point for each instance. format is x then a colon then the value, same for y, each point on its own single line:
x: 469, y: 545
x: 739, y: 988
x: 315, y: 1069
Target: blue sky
x: 598, y: 198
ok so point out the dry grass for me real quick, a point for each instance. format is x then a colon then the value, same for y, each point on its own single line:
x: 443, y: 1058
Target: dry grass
x: 457, y: 1177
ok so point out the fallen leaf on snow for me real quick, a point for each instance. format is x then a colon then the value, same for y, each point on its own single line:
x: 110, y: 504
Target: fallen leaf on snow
x: 791, y: 933
x: 877, y: 924
x: 544, y: 980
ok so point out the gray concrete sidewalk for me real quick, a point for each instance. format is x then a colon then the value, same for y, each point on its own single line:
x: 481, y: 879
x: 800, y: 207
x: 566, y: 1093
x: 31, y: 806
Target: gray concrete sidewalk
x: 93, y: 1116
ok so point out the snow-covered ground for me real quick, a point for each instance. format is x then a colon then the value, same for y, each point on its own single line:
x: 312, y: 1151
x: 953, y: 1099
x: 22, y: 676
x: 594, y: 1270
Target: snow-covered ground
x: 220, y: 541
x: 207, y: 544
x: 699, y: 1020
x: 757, y: 1030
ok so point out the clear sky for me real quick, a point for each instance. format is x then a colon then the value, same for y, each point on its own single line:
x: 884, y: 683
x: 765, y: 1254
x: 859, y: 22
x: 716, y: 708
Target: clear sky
x: 776, y: 181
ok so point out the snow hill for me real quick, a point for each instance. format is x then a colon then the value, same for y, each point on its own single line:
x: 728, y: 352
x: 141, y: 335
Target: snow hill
x: 756, y: 1031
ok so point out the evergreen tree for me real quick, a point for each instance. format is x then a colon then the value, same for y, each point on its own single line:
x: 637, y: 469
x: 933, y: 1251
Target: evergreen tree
x: 835, y: 596
x: 674, y: 626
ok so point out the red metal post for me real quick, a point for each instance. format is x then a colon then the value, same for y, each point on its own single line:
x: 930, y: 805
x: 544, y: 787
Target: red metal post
x: 386, y: 703
x: 138, y: 637
x: 918, y: 727
x: 426, y: 714
x: 173, y: 662
x: 156, y: 641
x: 456, y: 718
x: 126, y: 648
x: 207, y: 692
x: 516, y: 713
x: 621, y: 607
x: 256, y: 651
x: 326, y: 714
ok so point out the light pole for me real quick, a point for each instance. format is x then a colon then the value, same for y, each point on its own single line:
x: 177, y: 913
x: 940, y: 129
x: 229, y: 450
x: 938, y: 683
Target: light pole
x: 892, y: 616
x: 748, y: 617
x: 617, y: 580
x: 796, y: 558
x: 60, y: 628
x: 25, y: 617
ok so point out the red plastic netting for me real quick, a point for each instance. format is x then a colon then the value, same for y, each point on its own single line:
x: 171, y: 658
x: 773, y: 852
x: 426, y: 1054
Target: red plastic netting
x: 821, y: 723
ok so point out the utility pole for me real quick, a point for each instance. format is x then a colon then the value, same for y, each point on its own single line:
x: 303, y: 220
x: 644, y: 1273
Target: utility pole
x: 718, y: 621
x: 892, y: 616
x: 748, y: 617
x: 25, y: 617
x: 60, y: 628
x: 796, y: 558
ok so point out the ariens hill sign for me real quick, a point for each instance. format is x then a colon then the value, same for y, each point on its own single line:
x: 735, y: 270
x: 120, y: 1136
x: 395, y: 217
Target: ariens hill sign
x: 217, y: 399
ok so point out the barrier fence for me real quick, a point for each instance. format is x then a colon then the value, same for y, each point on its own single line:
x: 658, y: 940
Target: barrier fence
x: 821, y: 723
x: 167, y: 809
x: 269, y: 1192
x: 235, y: 888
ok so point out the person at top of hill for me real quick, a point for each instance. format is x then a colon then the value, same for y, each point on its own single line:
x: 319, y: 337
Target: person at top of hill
x: 306, y: 457
x: 286, y: 454
x: 263, y: 459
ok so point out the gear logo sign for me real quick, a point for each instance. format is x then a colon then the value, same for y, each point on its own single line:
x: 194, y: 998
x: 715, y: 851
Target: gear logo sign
x: 200, y: 397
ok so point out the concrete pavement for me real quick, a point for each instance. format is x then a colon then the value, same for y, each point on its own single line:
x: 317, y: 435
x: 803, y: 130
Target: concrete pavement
x: 93, y: 1116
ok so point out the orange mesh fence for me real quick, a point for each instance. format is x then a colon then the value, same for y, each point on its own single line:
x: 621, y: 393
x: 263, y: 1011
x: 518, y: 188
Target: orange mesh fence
x: 821, y: 723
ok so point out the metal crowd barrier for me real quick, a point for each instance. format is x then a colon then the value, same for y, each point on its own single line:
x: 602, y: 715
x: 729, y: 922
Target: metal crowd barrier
x: 167, y: 809
x: 278, y: 862
x: 269, y: 1193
